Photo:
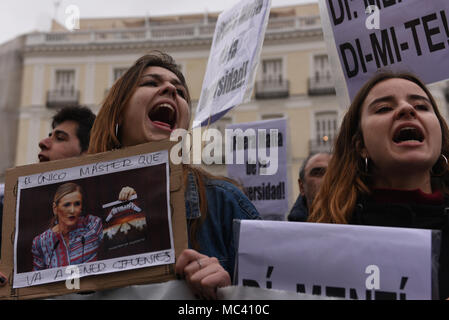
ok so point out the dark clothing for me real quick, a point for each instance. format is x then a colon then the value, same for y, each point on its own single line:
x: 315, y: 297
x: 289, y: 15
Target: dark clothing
x: 409, y: 209
x: 299, y: 211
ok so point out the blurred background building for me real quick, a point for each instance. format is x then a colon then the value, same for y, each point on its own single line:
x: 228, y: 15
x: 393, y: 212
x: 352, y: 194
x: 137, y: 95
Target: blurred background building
x: 42, y: 72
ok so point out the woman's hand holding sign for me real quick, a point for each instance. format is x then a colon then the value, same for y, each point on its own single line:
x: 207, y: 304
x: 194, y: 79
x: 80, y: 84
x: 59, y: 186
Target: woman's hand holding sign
x: 203, y: 274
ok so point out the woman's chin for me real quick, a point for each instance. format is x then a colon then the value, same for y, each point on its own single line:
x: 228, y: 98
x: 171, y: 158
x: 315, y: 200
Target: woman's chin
x: 414, y: 164
x: 157, y: 136
x: 70, y: 224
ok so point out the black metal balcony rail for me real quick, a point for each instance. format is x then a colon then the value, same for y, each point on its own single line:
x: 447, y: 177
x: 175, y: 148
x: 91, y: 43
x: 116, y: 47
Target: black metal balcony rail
x: 173, y: 31
x: 321, y: 86
x: 270, y: 89
x: 321, y: 145
x: 62, y: 97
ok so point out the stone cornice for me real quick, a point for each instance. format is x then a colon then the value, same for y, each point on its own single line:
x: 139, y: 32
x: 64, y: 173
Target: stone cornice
x: 271, y: 38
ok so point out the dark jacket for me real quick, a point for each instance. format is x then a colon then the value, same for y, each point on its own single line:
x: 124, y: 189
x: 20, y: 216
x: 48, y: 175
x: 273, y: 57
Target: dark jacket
x: 299, y: 211
x: 409, y: 209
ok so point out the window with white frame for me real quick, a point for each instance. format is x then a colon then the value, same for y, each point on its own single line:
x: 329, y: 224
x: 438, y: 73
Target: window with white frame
x: 322, y: 68
x: 325, y: 127
x: 65, y: 80
x: 321, y: 82
x: 271, y: 82
x: 63, y: 90
x: 272, y: 70
x: 117, y: 73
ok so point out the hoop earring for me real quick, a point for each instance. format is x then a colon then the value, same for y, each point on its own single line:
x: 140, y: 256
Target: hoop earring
x: 439, y: 174
x: 366, y: 164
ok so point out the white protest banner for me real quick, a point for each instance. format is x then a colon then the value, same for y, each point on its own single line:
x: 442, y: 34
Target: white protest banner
x: 104, y: 235
x: 259, y: 151
x: 345, y: 261
x: 233, y: 59
x: 397, y: 35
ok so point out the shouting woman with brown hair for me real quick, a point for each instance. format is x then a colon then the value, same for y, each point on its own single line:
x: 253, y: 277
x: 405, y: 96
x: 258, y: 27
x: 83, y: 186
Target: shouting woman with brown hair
x: 146, y: 104
x: 389, y: 166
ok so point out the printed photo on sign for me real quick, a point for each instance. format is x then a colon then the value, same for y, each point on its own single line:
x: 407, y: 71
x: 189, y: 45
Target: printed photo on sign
x: 100, y: 223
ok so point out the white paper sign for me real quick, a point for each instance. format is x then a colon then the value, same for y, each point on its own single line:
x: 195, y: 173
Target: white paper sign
x: 268, y: 192
x: 346, y: 261
x: 399, y: 35
x: 233, y: 59
x: 100, y: 239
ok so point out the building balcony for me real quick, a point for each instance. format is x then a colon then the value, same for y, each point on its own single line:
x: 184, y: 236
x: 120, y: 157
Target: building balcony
x: 272, y: 89
x: 62, y: 98
x: 321, y: 86
x: 321, y: 145
x: 168, y: 32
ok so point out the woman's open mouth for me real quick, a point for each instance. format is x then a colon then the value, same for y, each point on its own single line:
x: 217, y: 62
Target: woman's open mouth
x: 43, y: 158
x: 408, y: 134
x: 163, y: 116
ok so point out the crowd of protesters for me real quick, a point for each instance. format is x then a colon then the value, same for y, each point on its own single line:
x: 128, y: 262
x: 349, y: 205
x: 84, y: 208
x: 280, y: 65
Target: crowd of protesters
x: 388, y: 165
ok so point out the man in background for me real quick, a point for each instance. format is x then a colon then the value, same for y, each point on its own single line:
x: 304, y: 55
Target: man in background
x: 311, y: 175
x: 69, y: 137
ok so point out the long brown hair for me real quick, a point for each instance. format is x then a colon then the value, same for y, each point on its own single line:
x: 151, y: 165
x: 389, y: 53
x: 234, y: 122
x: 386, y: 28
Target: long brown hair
x: 104, y: 138
x: 103, y: 134
x: 345, y: 179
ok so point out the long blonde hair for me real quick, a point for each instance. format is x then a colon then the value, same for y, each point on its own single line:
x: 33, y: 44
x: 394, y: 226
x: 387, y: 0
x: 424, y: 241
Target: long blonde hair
x: 345, y: 179
x: 61, y: 192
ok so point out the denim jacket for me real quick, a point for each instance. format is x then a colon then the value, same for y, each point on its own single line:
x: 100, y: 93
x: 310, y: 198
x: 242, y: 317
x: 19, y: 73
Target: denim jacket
x: 225, y: 202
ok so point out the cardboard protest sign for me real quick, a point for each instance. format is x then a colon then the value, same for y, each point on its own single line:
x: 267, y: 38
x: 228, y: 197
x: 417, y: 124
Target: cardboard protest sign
x: 233, y: 59
x: 345, y: 261
x: 111, y: 242
x: 369, y: 35
x: 263, y: 171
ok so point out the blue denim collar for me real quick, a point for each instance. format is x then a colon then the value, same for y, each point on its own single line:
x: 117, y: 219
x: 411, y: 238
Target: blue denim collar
x: 192, y: 198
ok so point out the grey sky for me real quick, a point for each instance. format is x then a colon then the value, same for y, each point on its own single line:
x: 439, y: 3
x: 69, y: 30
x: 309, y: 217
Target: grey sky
x: 23, y: 16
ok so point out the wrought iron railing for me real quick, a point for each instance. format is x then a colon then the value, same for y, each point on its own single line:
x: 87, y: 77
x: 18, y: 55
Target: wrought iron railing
x: 173, y: 31
x: 60, y: 98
